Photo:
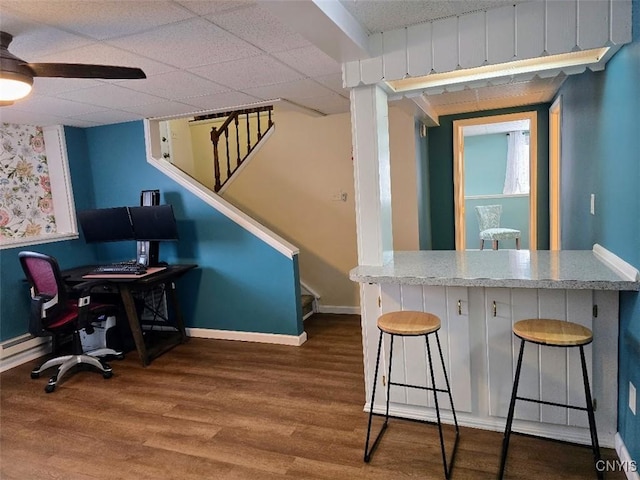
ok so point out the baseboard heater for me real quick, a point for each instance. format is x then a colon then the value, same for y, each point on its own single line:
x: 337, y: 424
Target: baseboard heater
x: 22, y: 349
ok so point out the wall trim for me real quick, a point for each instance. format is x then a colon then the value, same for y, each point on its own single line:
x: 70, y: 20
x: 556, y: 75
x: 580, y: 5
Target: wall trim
x: 623, y: 268
x: 625, y: 458
x: 339, y: 309
x: 294, y: 340
x: 561, y: 432
x: 22, y: 349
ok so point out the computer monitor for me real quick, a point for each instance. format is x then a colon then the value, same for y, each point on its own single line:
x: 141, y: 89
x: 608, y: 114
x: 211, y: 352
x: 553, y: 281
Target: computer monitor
x: 154, y: 223
x: 106, y: 225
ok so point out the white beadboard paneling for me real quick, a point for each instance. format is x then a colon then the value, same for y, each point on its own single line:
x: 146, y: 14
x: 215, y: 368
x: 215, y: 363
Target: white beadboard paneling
x: 419, y: 50
x: 561, y: 26
x: 553, y: 361
x: 369, y: 295
x: 579, y: 303
x: 415, y: 353
x: 391, y: 297
x: 530, y: 29
x: 500, y: 35
x: 499, y: 353
x: 394, y: 59
x: 593, y: 23
x: 445, y: 44
x: 435, y: 301
x: 472, y: 40
x: 459, y: 350
x: 524, y: 303
x: 620, y: 15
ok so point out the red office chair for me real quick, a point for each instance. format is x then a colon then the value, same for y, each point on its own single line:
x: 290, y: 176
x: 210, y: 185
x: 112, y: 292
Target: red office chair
x: 54, y: 313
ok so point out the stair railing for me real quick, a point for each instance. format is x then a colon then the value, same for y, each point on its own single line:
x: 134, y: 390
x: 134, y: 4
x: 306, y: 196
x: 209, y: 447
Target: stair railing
x: 241, y: 122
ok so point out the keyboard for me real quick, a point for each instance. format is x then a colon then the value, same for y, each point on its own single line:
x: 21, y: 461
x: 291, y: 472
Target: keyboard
x: 120, y: 268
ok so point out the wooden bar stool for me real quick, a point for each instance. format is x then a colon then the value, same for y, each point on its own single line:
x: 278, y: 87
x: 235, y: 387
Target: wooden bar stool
x: 554, y: 333
x: 410, y: 323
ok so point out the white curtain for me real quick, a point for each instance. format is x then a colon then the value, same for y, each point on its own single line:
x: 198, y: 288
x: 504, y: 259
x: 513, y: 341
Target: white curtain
x: 516, y: 179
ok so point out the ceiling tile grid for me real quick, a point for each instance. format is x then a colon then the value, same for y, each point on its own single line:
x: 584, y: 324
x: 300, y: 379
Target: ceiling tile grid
x: 198, y: 55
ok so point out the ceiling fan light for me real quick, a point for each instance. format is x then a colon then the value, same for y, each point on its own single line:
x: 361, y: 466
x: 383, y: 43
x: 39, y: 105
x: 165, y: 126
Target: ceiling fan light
x: 14, y: 86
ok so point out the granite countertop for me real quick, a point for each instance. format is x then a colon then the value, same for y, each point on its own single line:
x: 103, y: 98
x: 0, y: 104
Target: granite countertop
x: 565, y: 269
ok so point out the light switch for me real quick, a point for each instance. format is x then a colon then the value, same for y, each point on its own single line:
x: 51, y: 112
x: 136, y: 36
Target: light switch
x: 632, y: 398
x: 593, y: 204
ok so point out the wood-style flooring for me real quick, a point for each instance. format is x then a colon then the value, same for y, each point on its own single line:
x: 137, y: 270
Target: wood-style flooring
x: 215, y: 409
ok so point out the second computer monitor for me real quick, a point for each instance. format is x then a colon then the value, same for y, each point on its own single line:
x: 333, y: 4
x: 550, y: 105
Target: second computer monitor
x: 154, y: 223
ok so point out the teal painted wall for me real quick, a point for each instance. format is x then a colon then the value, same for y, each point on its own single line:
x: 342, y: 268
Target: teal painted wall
x: 242, y: 283
x: 439, y: 221
x: 601, y: 155
x: 485, y: 164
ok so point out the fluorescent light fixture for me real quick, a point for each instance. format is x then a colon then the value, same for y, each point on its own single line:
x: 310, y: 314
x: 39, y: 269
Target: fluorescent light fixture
x: 14, y: 86
x: 538, y: 64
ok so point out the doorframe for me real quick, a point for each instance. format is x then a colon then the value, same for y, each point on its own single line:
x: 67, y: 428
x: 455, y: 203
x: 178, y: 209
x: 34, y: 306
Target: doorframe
x: 458, y: 172
x: 555, y: 160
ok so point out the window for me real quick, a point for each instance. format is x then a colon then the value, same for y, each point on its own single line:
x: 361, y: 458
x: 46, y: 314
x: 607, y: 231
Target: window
x: 36, y: 199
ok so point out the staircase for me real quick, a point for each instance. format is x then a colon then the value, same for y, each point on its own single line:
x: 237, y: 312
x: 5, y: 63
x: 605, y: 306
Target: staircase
x: 241, y: 132
x: 307, y: 305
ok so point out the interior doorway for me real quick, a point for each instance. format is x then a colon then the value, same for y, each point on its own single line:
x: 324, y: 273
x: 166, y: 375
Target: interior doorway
x: 481, y: 178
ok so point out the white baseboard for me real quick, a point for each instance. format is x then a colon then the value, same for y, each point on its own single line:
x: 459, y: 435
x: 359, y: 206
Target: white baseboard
x: 626, y: 460
x: 21, y: 350
x: 338, y: 309
x: 295, y: 340
x: 557, y: 432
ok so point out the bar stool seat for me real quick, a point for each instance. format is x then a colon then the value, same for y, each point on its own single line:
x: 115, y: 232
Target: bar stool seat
x: 553, y: 333
x: 411, y: 323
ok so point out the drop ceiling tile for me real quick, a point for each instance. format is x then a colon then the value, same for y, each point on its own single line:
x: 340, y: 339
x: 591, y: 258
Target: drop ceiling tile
x: 101, y: 19
x: 176, y: 85
x: 21, y: 117
x: 162, y: 109
x: 108, y: 117
x: 293, y: 91
x: 53, y: 86
x: 221, y: 101
x: 111, y: 96
x: 187, y: 44
x: 102, y: 54
x: 333, y: 82
x: 329, y: 105
x: 260, y: 27
x: 248, y: 72
x: 55, y: 106
x: 207, y: 7
x: 310, y: 60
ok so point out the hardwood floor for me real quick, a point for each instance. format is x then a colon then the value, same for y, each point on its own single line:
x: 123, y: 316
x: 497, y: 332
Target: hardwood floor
x: 215, y: 409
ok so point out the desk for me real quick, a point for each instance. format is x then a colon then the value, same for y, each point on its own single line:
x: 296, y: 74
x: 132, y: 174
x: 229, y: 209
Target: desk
x: 148, y: 344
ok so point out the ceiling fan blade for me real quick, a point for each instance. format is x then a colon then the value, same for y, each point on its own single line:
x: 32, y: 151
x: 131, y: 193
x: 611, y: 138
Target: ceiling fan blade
x: 80, y: 70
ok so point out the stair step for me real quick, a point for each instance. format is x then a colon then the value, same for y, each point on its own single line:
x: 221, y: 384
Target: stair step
x: 307, y: 304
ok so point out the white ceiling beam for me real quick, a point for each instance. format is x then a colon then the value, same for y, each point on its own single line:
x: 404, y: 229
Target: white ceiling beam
x: 418, y: 106
x: 326, y: 24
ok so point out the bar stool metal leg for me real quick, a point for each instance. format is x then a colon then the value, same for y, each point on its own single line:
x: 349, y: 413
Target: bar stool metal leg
x: 453, y: 410
x: 447, y: 468
x: 595, y: 445
x: 512, y: 406
x: 367, y: 452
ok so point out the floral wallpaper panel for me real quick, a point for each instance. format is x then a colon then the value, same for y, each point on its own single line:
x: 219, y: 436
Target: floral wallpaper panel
x: 26, y: 206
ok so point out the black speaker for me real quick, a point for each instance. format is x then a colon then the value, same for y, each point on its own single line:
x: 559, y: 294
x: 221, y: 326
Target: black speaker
x: 148, y: 252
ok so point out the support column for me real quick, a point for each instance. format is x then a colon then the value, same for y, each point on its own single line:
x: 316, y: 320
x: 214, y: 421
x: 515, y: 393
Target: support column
x: 370, y: 137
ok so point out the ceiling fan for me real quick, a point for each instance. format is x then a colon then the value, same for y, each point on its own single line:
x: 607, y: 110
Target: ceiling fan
x: 16, y: 75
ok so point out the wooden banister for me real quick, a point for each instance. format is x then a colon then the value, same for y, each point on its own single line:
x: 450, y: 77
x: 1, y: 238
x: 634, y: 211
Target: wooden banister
x: 233, y: 119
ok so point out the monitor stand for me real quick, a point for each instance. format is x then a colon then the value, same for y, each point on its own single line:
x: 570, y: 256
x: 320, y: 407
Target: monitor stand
x: 147, y: 253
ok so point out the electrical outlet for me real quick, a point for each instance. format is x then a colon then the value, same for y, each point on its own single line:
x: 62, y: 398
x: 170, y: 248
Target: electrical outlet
x: 592, y: 208
x: 632, y: 398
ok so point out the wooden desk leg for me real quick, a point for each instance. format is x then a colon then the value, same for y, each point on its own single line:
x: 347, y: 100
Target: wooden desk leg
x: 134, y: 323
x: 171, y: 287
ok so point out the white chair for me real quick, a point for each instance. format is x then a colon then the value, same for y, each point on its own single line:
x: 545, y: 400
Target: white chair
x: 489, y: 221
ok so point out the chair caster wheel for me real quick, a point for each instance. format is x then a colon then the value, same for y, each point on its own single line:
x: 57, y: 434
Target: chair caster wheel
x: 35, y: 375
x: 120, y: 356
x: 49, y: 388
x: 107, y: 374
